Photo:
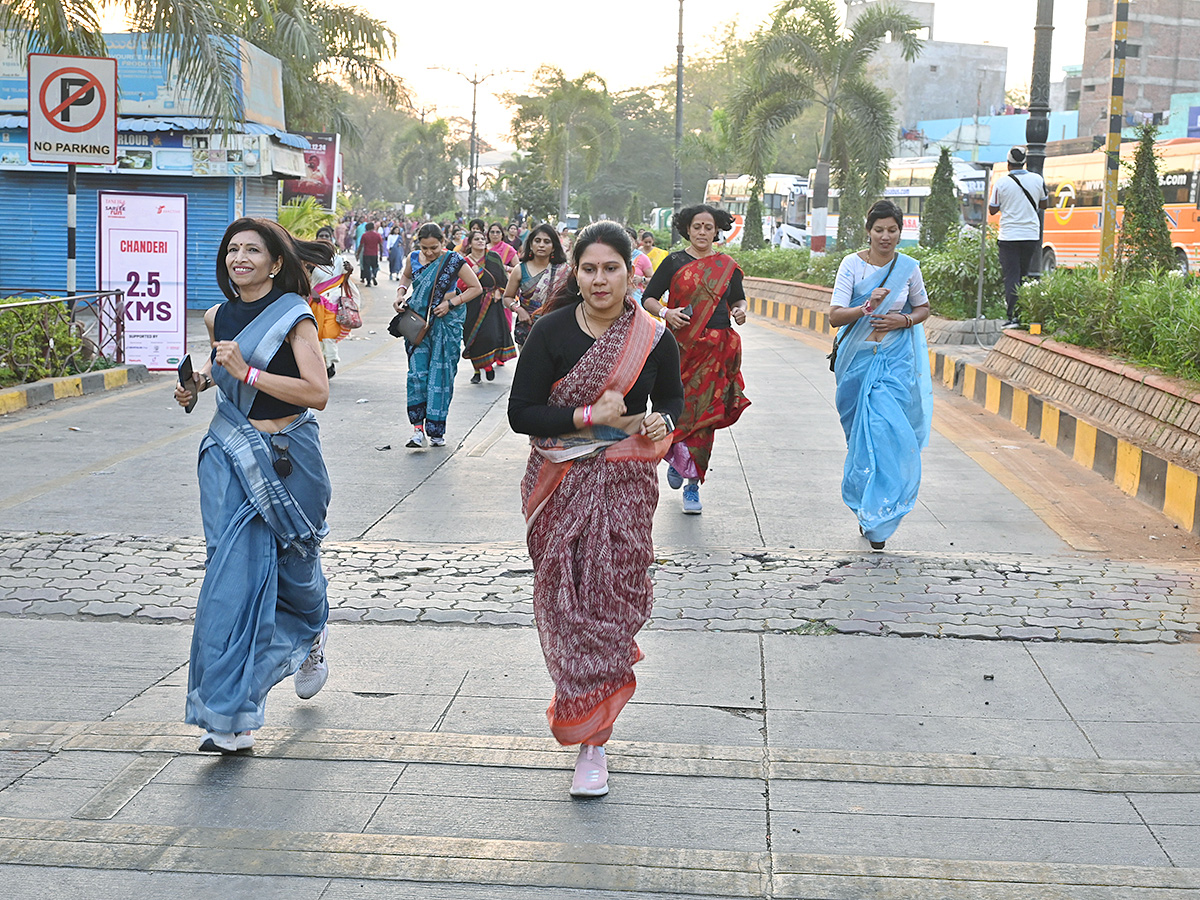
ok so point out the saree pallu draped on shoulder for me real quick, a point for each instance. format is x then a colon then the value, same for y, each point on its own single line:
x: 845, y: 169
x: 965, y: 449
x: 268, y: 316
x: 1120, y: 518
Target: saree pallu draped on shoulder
x: 885, y: 401
x: 263, y: 599
x: 589, y: 501
x: 710, y: 363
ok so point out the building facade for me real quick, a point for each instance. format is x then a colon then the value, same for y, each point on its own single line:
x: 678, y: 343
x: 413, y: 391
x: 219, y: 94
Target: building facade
x: 1162, y: 58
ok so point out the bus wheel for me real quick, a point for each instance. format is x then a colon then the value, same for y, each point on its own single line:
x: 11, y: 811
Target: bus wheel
x: 1181, y: 260
x: 1049, y: 261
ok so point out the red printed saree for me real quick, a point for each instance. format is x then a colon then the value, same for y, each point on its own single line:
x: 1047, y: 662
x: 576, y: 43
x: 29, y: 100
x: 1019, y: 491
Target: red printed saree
x: 589, y: 501
x: 710, y: 363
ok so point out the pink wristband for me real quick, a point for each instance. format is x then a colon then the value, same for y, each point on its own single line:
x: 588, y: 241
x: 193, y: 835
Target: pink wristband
x: 252, y: 375
x: 587, y: 415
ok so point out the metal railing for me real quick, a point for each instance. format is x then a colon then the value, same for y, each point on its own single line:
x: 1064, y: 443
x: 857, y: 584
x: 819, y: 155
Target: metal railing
x: 45, y: 334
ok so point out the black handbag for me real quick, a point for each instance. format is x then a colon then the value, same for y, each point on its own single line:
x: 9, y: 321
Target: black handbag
x: 412, y: 326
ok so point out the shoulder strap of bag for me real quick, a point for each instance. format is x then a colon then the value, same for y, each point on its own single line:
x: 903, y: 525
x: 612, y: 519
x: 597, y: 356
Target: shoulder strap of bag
x: 1028, y: 196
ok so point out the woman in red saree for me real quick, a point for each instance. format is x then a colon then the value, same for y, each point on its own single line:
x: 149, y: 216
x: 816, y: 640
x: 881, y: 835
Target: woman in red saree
x: 591, y: 364
x: 704, y: 299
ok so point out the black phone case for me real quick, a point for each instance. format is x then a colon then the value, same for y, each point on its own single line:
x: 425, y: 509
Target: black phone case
x: 186, y: 380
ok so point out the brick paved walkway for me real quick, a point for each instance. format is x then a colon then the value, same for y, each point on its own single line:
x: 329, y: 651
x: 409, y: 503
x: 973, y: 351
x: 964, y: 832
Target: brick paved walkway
x: 126, y: 578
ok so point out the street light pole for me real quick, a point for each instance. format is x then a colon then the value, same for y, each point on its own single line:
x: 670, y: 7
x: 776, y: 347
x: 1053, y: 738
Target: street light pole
x: 1037, y: 129
x: 677, y: 196
x: 473, y: 158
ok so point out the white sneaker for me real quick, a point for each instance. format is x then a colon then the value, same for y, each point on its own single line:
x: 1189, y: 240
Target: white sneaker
x: 437, y: 442
x: 417, y: 439
x: 226, y: 742
x: 591, y: 772
x: 313, y: 672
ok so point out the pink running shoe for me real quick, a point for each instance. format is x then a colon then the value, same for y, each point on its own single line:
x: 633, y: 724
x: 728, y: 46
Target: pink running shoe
x: 591, y: 772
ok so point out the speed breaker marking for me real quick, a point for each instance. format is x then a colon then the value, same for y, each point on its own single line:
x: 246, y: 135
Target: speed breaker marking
x: 72, y: 109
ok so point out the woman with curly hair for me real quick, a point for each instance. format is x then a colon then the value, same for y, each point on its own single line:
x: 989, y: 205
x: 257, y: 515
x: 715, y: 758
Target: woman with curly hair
x: 705, y: 299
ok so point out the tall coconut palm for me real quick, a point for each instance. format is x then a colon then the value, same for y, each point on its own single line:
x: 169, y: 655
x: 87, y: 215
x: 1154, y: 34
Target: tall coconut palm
x: 428, y: 159
x: 567, y: 117
x: 183, y: 31
x: 805, y: 56
x: 317, y: 42
x: 313, y: 40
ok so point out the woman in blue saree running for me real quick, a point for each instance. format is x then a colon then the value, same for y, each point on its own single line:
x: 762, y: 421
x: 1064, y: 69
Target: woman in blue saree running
x: 430, y: 276
x: 884, y: 391
x: 264, y: 488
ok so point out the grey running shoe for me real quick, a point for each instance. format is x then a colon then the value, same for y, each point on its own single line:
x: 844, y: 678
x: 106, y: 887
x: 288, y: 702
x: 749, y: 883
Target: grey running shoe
x: 313, y: 672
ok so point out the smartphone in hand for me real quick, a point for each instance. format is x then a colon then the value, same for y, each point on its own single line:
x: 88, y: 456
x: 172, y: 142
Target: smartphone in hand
x: 188, y: 381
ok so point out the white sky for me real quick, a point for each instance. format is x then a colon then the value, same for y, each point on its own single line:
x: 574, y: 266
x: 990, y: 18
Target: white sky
x: 629, y: 42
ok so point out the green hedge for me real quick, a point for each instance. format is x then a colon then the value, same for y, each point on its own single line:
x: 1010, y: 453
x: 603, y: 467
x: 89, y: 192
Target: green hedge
x: 951, y: 272
x: 37, y: 342
x: 1154, y: 321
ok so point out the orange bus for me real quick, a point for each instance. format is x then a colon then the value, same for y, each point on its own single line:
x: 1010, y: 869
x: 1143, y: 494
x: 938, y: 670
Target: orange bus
x: 1076, y: 186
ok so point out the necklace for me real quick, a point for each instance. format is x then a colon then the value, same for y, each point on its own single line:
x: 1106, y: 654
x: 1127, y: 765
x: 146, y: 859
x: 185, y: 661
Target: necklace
x: 587, y: 324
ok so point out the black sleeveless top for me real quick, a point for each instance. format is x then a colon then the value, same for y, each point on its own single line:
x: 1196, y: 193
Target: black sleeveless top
x: 234, y: 315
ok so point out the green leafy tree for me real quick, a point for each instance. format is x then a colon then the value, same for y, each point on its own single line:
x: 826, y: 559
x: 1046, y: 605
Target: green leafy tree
x: 804, y: 57
x: 370, y: 164
x: 428, y: 161
x: 522, y: 187
x: 634, y: 215
x: 303, y: 217
x: 646, y: 167
x: 939, y: 218
x: 187, y: 33
x: 321, y: 46
x: 564, y: 119
x: 585, y: 210
x: 1145, y: 244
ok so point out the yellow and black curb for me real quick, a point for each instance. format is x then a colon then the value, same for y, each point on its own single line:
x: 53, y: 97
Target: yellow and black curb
x: 1169, y: 488
x: 49, y: 389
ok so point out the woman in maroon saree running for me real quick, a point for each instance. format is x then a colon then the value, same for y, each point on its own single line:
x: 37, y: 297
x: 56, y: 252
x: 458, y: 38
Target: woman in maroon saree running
x: 591, y: 364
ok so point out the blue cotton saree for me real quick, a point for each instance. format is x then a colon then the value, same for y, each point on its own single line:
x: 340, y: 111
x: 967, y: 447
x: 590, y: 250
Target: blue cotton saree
x: 885, y: 400
x: 433, y: 364
x: 263, y: 599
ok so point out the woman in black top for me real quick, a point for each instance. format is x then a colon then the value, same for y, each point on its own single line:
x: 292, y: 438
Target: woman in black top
x: 584, y: 378
x: 264, y: 488
x: 706, y: 297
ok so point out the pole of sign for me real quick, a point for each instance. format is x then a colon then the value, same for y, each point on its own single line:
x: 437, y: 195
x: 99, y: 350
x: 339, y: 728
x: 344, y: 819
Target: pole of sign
x: 987, y: 195
x: 1112, y: 149
x: 71, y: 211
x: 1037, y: 129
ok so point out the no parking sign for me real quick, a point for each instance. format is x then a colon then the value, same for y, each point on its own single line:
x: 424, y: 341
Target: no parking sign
x: 72, y: 109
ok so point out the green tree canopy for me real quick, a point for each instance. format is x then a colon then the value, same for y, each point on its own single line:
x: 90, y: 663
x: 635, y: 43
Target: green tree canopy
x: 429, y: 159
x: 563, y: 119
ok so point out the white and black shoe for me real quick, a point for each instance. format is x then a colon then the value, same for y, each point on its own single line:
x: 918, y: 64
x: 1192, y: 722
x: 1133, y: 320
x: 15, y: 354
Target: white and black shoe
x: 314, y: 671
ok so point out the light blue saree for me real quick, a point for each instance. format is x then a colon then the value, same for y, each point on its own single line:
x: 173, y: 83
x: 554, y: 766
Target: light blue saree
x: 885, y: 400
x: 263, y: 598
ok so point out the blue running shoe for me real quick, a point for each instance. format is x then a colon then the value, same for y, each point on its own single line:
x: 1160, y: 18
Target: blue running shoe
x: 674, y: 479
x: 691, y: 500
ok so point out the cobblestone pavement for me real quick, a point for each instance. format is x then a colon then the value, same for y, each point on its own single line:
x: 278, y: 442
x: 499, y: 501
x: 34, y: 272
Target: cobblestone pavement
x: 1011, y: 596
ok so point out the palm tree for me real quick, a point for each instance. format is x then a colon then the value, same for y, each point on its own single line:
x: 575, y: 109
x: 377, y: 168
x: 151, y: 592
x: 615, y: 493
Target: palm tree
x: 428, y: 159
x: 805, y: 57
x: 183, y: 31
x: 313, y: 41
x: 567, y: 117
x: 316, y: 41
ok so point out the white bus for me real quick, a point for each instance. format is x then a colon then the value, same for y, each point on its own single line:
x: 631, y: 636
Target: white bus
x: 908, y: 186
x: 785, y: 205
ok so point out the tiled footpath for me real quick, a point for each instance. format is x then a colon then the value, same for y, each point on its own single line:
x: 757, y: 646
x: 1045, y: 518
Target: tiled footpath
x: 1013, y: 597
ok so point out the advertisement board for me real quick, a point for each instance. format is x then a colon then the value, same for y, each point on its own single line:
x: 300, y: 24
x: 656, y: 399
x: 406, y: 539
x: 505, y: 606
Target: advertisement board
x: 142, y: 250
x: 320, y: 172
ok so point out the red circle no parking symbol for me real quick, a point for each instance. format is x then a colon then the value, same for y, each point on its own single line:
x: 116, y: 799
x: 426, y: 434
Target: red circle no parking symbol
x: 73, y: 91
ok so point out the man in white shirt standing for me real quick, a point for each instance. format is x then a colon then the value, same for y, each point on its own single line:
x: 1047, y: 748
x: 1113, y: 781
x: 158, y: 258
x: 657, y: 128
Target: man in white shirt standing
x: 1017, y: 197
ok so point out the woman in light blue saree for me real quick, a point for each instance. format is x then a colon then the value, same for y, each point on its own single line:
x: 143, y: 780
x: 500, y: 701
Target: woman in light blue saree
x: 264, y: 488
x: 884, y: 390
x: 432, y: 271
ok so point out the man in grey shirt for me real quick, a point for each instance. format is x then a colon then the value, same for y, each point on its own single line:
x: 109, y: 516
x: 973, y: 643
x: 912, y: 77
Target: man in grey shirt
x: 1017, y: 197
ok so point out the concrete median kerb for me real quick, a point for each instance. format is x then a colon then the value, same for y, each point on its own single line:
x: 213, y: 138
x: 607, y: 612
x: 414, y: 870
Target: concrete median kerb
x: 23, y: 396
x: 994, y: 597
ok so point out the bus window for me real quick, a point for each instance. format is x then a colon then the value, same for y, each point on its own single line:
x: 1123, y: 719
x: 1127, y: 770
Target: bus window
x: 922, y: 177
x: 900, y: 178
x: 1176, y: 186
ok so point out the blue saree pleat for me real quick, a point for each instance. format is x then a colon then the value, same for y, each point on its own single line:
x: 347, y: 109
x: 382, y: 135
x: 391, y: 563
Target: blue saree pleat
x: 885, y: 401
x: 263, y: 599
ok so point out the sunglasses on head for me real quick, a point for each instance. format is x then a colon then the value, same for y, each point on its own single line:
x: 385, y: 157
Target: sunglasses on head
x: 283, y: 465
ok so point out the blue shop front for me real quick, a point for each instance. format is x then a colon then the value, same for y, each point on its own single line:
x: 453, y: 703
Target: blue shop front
x: 164, y: 146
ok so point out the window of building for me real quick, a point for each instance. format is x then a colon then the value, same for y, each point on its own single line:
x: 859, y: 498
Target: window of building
x: 933, y: 68
x: 1093, y: 27
x: 1088, y: 88
x: 1133, y: 51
